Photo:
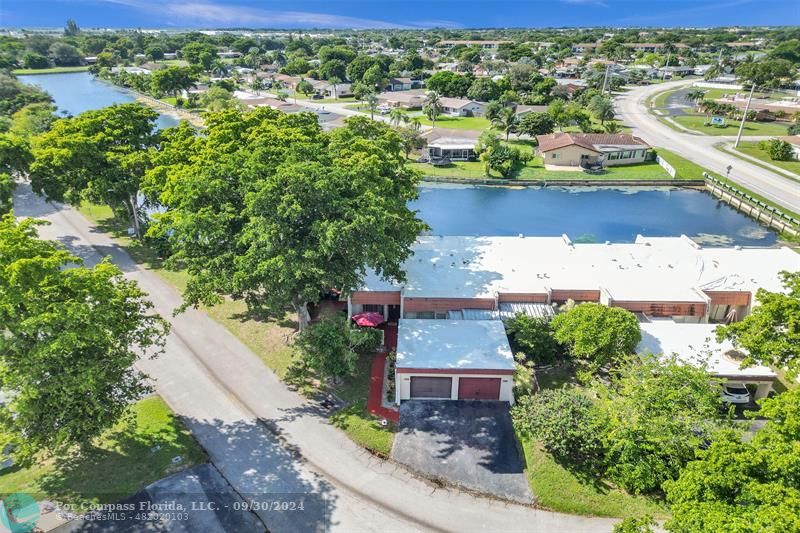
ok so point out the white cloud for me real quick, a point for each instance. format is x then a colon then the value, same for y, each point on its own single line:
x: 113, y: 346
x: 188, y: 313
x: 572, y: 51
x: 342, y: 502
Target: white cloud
x: 219, y: 15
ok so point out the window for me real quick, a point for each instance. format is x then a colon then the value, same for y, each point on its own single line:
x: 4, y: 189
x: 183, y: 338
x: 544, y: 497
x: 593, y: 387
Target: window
x: 372, y: 308
x: 613, y: 155
x: 440, y: 316
x: 422, y: 314
x: 556, y: 155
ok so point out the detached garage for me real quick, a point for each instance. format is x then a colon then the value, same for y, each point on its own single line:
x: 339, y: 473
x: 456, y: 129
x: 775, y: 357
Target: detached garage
x: 454, y: 360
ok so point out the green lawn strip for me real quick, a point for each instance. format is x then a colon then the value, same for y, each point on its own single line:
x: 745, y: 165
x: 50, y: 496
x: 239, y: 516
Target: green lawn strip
x: 54, y: 70
x: 560, y: 490
x: 535, y: 171
x: 697, y: 123
x: 458, y: 123
x: 688, y: 170
x: 752, y: 149
x: 171, y: 100
x: 121, y: 462
x: 354, y: 419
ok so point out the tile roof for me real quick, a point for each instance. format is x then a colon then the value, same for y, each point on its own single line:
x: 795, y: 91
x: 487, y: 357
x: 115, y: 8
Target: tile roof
x: 590, y: 141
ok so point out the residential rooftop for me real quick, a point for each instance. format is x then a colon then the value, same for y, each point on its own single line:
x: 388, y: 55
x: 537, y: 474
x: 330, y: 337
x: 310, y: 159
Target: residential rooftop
x: 453, y: 345
x: 651, y: 268
x: 696, y: 344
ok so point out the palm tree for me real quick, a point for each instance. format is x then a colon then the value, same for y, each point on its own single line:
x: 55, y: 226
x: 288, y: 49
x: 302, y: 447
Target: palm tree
x: 257, y: 85
x: 506, y: 121
x: 612, y: 127
x: 335, y: 80
x: 696, y: 96
x: 219, y: 68
x: 372, y: 104
x: 433, y: 106
x: 602, y: 108
x: 416, y: 123
x: 396, y: 116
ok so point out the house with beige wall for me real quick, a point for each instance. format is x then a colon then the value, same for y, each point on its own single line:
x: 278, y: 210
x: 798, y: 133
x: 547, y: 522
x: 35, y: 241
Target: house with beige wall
x: 571, y: 150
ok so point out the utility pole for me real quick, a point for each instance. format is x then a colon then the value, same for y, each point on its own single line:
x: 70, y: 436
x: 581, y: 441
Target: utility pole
x: 664, y: 75
x: 605, y: 79
x: 744, y: 116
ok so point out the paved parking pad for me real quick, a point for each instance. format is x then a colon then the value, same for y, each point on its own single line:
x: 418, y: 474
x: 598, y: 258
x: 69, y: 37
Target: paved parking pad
x: 464, y: 443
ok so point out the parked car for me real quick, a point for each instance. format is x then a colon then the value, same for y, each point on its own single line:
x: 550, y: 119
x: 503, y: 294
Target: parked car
x: 734, y: 393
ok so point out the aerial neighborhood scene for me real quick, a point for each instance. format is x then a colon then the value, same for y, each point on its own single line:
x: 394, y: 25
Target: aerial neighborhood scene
x: 365, y: 266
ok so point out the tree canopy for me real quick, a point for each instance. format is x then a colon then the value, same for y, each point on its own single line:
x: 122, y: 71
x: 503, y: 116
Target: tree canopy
x: 744, y: 486
x: 333, y: 345
x: 99, y: 155
x: 71, y: 337
x: 771, y: 332
x: 267, y: 207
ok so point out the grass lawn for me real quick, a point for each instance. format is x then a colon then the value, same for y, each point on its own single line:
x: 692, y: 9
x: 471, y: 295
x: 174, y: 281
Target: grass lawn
x: 688, y: 170
x: 751, y: 148
x: 558, y: 489
x: 696, y: 122
x: 458, y: 123
x: 171, y: 100
x: 660, y: 99
x: 355, y: 421
x: 121, y: 462
x: 535, y: 171
x: 54, y: 70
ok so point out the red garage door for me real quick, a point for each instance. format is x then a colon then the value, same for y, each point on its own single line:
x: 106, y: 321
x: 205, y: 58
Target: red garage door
x: 478, y: 388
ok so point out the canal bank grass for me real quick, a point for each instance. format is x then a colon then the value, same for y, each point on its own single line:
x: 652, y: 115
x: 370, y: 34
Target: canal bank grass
x: 534, y: 170
x: 689, y: 170
x: 560, y: 490
x: 53, y: 70
x: 131, y: 455
x: 267, y: 337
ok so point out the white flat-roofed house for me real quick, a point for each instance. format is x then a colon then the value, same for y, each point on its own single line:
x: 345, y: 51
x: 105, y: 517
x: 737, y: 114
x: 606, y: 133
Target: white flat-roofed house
x: 696, y: 344
x: 454, y: 149
x: 665, y: 280
x: 453, y: 360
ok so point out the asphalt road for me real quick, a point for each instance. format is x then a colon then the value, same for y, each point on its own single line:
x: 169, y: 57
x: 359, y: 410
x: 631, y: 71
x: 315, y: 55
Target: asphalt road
x: 700, y: 149
x: 270, y: 443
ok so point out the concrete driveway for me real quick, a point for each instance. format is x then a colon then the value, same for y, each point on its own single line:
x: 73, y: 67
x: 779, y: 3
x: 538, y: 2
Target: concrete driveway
x: 466, y: 443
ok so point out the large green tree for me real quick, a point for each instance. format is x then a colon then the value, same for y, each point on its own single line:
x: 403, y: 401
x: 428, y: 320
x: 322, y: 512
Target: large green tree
x: 99, y: 155
x: 267, y: 207
x: 333, y: 346
x: 771, y: 333
x: 656, y: 414
x: 71, y: 336
x: 744, y: 486
x: 15, y: 157
x: 596, y: 335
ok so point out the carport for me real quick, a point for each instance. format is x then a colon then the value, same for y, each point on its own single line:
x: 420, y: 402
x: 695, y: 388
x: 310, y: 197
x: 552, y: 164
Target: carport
x: 453, y: 360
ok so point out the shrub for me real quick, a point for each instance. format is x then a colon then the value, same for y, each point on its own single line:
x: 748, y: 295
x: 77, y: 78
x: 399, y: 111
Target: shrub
x: 533, y: 337
x: 632, y: 524
x: 780, y: 150
x: 564, y: 421
x: 596, y: 335
x: 332, y: 346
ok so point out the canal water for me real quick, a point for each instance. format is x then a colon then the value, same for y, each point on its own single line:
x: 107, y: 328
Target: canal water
x: 76, y: 92
x: 595, y: 214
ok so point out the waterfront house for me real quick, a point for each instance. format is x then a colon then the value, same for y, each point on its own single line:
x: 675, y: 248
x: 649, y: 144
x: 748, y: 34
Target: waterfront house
x: 412, y: 99
x: 673, y: 285
x: 582, y: 150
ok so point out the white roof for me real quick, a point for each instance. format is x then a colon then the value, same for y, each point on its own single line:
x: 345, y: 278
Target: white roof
x: 453, y: 143
x: 694, y: 343
x: 453, y: 344
x: 651, y: 269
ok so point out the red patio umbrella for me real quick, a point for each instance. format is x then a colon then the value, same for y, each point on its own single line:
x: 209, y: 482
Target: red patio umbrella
x: 369, y: 320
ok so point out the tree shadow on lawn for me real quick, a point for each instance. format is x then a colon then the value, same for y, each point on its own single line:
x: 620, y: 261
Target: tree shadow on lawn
x: 128, y: 459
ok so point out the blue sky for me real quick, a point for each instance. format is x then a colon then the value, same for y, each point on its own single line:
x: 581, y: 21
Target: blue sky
x: 397, y: 13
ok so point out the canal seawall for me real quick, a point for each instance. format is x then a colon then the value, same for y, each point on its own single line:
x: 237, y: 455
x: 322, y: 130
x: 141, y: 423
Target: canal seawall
x: 566, y: 182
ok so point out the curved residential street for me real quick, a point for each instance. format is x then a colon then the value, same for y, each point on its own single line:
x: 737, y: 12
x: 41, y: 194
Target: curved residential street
x: 272, y: 444
x: 700, y: 148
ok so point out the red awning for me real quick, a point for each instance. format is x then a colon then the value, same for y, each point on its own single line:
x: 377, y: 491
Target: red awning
x: 369, y: 320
